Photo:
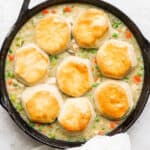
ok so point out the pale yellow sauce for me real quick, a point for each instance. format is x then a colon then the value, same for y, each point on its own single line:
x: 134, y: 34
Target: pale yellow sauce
x: 100, y: 125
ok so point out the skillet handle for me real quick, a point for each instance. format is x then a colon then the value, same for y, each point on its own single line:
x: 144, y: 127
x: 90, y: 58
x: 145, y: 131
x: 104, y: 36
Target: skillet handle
x: 147, y: 50
x: 24, y: 9
x: 3, y: 102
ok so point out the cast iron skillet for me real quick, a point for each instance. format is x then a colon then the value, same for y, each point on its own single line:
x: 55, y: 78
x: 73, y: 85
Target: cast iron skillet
x: 24, y: 16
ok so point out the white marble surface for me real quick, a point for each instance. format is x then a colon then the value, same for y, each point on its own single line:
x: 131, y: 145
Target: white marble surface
x: 12, y: 138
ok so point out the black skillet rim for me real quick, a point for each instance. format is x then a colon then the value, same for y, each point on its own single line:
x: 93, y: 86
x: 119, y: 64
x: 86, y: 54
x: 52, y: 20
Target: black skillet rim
x: 143, y: 43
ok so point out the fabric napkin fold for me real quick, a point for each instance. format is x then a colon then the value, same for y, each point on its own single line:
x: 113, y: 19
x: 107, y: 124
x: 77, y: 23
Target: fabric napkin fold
x: 116, y: 142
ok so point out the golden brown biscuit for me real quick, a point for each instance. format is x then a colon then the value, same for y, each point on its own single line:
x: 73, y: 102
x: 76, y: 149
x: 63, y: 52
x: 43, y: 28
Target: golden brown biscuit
x: 74, y: 76
x: 115, y: 58
x: 90, y: 28
x: 42, y: 103
x: 53, y: 34
x: 113, y: 99
x: 76, y: 114
x: 31, y: 64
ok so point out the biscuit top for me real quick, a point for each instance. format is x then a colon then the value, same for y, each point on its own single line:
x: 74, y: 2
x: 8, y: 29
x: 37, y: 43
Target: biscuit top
x: 114, y: 59
x: 74, y: 76
x: 90, y: 26
x: 42, y: 103
x: 76, y: 114
x: 42, y: 107
x: 113, y: 99
x: 53, y: 34
x: 31, y: 64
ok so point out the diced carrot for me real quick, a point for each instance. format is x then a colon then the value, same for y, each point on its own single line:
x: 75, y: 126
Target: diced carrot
x: 112, y: 125
x: 45, y: 11
x: 95, y: 60
x: 117, y: 122
x: 128, y: 34
x: 11, y: 57
x: 38, y: 124
x: 10, y: 82
x: 137, y: 79
x: 53, y: 11
x: 67, y: 9
x: 101, y: 133
x: 92, y: 68
x: 96, y: 78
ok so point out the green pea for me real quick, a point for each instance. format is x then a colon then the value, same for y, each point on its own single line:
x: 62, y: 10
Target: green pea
x: 82, y: 139
x: 10, y: 50
x: 140, y: 73
x: 93, y: 126
x: 84, y: 53
x: 51, y: 136
x: 13, y: 97
x: 15, y: 84
x: 93, y: 50
x: 115, y: 35
x: 31, y: 124
x: 19, y: 107
x: 126, y: 78
x: 53, y: 59
x: 97, y: 119
x: 41, y: 128
x: 9, y: 74
x: 96, y: 67
x: 95, y: 84
x: 141, y: 67
x: 116, y: 24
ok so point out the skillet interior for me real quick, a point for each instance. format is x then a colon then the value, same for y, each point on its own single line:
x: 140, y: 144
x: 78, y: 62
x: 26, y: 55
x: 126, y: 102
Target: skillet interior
x: 28, y: 14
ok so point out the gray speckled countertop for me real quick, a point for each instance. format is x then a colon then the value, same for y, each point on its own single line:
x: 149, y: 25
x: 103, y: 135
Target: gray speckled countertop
x: 12, y: 138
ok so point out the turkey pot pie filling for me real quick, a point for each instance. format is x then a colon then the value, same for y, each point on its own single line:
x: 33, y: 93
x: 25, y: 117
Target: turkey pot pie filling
x: 42, y: 110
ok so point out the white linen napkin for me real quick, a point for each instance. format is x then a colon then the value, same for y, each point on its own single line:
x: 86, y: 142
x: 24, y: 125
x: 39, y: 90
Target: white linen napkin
x: 116, y: 142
